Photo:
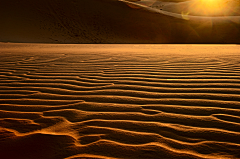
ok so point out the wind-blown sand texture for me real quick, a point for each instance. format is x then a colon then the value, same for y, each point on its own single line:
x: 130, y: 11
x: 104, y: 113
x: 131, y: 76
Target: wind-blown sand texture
x: 115, y: 21
x: 119, y: 101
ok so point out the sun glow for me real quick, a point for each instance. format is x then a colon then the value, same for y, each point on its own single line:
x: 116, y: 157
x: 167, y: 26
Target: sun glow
x: 210, y: 7
x: 214, y: 5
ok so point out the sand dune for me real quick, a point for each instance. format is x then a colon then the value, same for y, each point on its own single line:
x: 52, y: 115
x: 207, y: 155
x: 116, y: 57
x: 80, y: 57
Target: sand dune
x: 113, y: 21
x: 140, y: 101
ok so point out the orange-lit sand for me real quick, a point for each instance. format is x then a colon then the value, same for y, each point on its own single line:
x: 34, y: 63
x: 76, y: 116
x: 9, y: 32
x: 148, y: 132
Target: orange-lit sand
x: 119, y: 101
x: 118, y: 21
x: 61, y: 101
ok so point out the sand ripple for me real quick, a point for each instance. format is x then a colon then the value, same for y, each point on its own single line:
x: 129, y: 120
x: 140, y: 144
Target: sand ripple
x: 118, y: 105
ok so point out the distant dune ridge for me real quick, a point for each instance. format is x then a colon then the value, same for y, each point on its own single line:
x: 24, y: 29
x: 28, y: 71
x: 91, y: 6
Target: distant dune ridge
x: 113, y: 21
x: 119, y: 101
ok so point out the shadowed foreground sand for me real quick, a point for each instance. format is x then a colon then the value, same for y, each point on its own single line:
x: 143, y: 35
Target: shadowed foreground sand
x: 114, y: 21
x: 119, y: 101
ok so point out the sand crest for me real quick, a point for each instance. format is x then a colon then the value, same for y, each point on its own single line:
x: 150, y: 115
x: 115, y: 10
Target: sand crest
x: 113, y: 21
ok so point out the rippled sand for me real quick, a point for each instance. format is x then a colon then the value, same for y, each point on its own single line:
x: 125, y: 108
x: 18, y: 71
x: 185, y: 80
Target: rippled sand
x: 119, y: 101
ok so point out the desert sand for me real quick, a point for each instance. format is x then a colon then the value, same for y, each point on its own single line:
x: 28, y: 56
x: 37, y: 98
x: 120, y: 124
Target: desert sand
x: 79, y: 98
x: 118, y: 21
x: 119, y: 101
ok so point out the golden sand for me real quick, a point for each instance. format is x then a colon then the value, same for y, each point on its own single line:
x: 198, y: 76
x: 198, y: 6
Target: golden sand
x: 119, y: 101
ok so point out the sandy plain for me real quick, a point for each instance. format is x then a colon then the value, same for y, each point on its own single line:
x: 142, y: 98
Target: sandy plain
x: 119, y: 101
x: 72, y: 101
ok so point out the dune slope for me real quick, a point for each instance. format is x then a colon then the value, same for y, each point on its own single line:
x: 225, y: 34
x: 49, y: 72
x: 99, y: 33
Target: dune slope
x: 108, y: 21
x: 100, y: 101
